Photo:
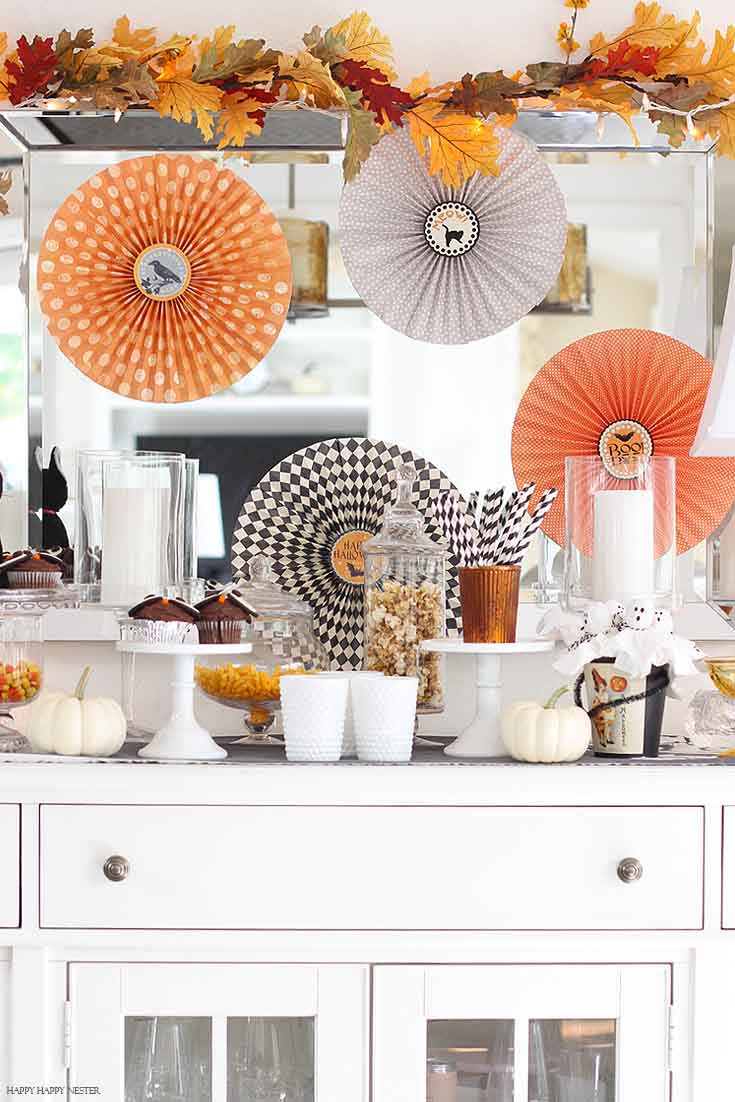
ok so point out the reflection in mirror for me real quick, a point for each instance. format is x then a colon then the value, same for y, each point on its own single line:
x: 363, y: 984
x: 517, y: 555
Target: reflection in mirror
x: 14, y: 437
x: 638, y: 255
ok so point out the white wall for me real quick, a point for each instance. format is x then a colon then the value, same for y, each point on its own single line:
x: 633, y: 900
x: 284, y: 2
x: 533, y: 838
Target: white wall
x: 481, y: 34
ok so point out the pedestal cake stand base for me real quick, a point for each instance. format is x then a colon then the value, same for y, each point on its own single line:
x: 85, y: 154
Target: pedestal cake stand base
x: 182, y: 738
x: 482, y: 739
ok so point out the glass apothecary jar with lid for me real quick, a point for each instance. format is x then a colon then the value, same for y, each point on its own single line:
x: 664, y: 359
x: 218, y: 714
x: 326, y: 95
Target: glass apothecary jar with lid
x: 405, y: 597
x: 21, y: 672
x: 283, y: 640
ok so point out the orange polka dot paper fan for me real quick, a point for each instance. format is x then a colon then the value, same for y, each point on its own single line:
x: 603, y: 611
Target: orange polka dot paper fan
x: 164, y: 278
x: 623, y: 375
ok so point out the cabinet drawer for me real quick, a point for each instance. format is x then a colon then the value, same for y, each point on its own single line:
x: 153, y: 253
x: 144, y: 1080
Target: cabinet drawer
x: 9, y: 865
x: 372, y: 868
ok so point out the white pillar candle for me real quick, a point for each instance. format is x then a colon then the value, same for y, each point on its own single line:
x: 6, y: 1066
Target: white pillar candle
x: 623, y: 550
x: 136, y: 528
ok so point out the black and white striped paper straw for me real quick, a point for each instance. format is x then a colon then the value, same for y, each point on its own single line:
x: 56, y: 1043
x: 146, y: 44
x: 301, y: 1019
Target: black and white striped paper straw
x: 513, y: 525
x: 545, y: 502
x: 489, y: 524
x: 459, y: 531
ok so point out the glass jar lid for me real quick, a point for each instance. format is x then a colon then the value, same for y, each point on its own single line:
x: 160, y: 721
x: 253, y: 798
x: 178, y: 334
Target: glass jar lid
x: 403, y: 524
x: 263, y: 593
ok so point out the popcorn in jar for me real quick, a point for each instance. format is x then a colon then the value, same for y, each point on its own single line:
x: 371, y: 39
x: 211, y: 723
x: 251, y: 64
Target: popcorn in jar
x: 405, y: 598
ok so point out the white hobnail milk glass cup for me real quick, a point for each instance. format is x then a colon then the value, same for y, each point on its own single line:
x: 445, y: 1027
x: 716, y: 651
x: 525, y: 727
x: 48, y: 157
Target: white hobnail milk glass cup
x: 384, y: 710
x: 313, y: 711
x: 349, y: 746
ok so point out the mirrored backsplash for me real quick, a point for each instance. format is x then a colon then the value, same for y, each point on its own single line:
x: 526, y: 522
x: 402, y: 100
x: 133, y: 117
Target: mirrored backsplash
x: 639, y: 254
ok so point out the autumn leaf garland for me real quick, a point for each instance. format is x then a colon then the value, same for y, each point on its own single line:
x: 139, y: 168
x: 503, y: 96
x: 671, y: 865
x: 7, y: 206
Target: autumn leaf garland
x: 657, y: 64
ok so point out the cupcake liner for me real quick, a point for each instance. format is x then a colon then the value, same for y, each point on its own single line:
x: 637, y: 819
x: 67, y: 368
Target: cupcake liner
x: 155, y: 631
x: 221, y: 631
x: 34, y: 579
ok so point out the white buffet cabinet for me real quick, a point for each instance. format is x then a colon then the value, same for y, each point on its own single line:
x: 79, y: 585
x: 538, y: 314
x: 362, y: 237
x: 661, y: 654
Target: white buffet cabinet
x: 375, y: 909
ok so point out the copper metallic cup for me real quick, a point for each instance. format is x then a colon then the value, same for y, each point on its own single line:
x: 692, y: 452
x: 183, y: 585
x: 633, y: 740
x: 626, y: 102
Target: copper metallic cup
x: 489, y: 596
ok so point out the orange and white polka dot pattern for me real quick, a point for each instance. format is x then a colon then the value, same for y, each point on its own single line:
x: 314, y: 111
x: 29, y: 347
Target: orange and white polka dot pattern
x: 188, y: 346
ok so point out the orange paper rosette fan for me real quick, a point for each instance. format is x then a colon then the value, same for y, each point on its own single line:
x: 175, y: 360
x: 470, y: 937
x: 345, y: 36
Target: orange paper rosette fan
x: 623, y: 375
x: 164, y: 278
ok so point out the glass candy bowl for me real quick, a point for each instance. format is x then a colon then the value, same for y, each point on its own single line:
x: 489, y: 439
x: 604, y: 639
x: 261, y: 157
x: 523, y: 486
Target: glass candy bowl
x: 21, y: 673
x: 284, y: 642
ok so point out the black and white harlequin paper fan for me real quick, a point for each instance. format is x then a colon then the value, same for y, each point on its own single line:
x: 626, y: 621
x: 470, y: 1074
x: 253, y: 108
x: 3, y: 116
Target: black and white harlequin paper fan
x: 310, y: 514
x: 452, y: 265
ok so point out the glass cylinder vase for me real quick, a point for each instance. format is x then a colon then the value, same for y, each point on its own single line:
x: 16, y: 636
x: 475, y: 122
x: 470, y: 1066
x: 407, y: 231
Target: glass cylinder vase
x: 130, y: 525
x: 620, y: 531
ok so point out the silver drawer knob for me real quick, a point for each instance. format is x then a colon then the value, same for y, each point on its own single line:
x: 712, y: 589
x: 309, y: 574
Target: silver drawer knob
x: 629, y: 870
x: 116, y: 868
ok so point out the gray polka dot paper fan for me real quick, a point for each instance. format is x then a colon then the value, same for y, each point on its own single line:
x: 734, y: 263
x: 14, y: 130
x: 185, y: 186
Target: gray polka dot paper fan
x: 452, y: 265
x: 310, y: 513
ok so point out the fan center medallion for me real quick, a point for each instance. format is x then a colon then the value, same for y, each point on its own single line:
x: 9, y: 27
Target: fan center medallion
x: 451, y: 229
x: 625, y: 448
x: 162, y: 272
x: 347, y: 561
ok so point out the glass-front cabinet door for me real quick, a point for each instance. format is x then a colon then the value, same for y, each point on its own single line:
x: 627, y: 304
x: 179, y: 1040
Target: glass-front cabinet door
x: 521, y: 1033
x: 220, y: 1032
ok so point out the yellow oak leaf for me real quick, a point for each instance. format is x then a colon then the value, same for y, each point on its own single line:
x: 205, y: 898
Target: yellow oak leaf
x: 235, y: 122
x: 6, y: 180
x: 457, y: 145
x: 220, y: 40
x: 185, y: 100
x: 364, y: 42
x: 419, y: 85
x: 258, y: 76
x: 174, y: 46
x: 720, y: 124
x: 601, y: 97
x: 718, y: 70
x: 650, y: 27
x: 3, y: 42
x: 686, y: 51
x: 309, y: 80
x: 124, y: 35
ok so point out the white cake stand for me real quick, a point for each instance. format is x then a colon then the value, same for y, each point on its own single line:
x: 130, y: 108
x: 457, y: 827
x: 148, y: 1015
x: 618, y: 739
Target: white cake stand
x: 482, y: 739
x: 182, y: 738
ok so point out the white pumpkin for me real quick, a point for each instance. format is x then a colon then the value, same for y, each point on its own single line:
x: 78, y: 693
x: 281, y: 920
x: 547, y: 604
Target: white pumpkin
x: 544, y: 733
x: 64, y: 723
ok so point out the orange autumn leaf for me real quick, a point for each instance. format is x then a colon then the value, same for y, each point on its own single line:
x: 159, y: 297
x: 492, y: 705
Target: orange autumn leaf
x: 364, y: 42
x: 175, y: 46
x: 186, y: 101
x: 124, y: 35
x: 419, y: 85
x: 456, y: 145
x: 6, y: 181
x: 220, y: 40
x: 720, y: 124
x: 650, y: 27
x: 309, y: 80
x: 236, y: 121
x: 683, y: 52
x: 718, y: 70
x: 601, y: 97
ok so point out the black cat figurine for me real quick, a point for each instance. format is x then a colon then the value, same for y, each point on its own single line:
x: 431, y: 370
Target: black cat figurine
x: 49, y: 531
x: 55, y: 497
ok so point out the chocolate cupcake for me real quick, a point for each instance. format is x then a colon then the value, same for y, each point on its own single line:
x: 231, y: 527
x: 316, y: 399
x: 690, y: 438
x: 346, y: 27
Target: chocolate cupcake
x: 223, y: 616
x: 158, y: 619
x: 32, y: 570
